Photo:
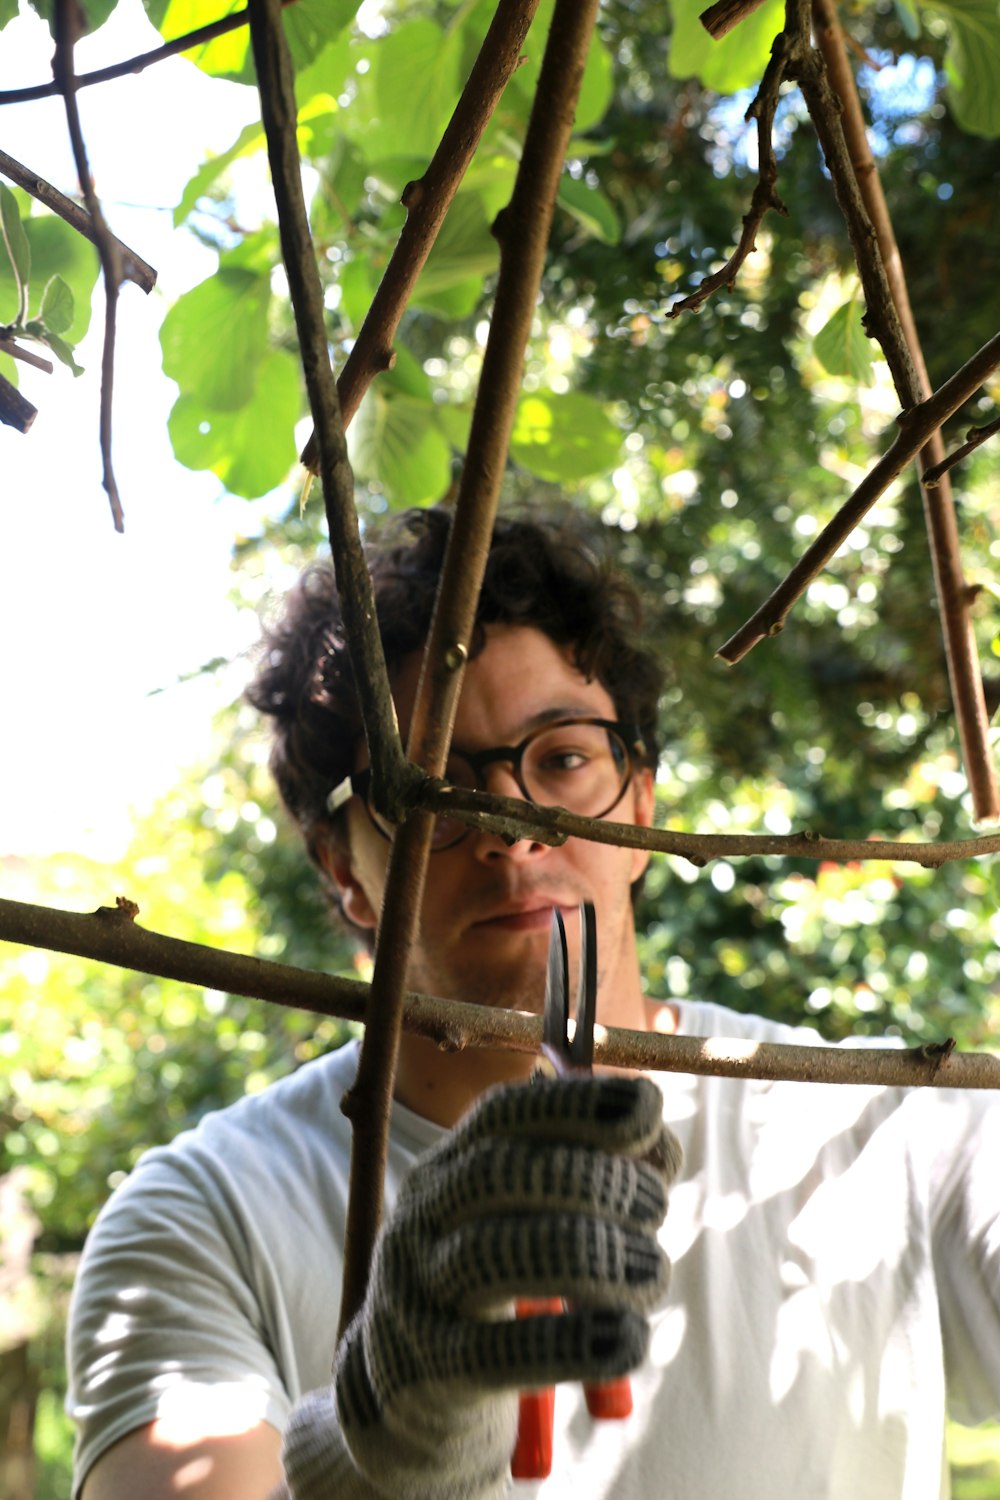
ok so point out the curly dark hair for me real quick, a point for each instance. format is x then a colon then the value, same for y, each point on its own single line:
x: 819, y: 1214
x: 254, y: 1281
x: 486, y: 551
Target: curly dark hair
x: 541, y: 573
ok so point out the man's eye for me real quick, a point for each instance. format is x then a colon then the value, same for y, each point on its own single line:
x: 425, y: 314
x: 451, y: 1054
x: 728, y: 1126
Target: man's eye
x: 556, y: 761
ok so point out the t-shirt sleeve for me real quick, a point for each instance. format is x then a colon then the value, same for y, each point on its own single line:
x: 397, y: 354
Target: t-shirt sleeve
x: 966, y: 1239
x: 164, y: 1319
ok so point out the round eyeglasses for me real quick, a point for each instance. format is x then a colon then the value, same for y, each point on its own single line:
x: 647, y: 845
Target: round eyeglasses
x: 583, y: 765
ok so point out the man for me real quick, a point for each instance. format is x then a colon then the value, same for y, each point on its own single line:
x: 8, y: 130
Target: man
x: 836, y: 1250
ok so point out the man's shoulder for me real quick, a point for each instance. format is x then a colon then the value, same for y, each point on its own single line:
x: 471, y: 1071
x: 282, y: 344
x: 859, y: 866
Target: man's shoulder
x: 704, y: 1018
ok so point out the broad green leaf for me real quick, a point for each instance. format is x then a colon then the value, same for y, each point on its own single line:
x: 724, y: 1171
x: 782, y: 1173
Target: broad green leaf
x: 564, y: 438
x: 250, y: 139
x: 395, y: 442
x: 326, y: 74
x: 972, y: 64
x: 309, y: 25
x: 59, y: 347
x: 215, y: 337
x: 909, y: 18
x: 464, y: 251
x: 415, y: 85
x: 590, y: 208
x: 407, y: 376
x: 56, y: 311
x: 18, y: 251
x: 252, y: 449
x: 357, y: 282
x: 596, y: 89
x: 57, y: 250
x: 735, y: 62
x: 95, y: 12
x: 842, y: 346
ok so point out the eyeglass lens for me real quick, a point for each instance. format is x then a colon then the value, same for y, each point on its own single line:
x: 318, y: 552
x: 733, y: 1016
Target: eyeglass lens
x: 581, y: 766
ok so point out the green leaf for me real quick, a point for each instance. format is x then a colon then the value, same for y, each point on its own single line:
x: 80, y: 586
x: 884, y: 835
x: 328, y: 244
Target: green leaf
x: 95, y: 12
x: 357, y: 282
x: 8, y: 12
x: 57, y: 250
x: 909, y: 18
x: 737, y: 61
x: 18, y: 251
x: 972, y: 64
x: 590, y: 208
x: 56, y: 311
x: 842, y: 346
x: 414, y: 86
x: 463, y: 254
x: 60, y: 349
x: 309, y: 25
x: 596, y: 88
x: 253, y: 449
x: 215, y: 337
x: 250, y: 139
x: 565, y: 438
x: 396, y: 443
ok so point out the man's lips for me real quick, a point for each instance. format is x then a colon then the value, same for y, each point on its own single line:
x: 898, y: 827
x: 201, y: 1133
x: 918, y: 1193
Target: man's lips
x: 532, y: 916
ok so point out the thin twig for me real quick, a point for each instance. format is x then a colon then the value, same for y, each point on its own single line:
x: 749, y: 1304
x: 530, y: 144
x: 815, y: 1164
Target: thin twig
x: 427, y: 201
x: 765, y: 195
x: 135, y: 64
x: 974, y: 438
x: 112, y: 936
x: 839, y: 121
x: 134, y: 268
x: 514, y: 819
x: 721, y: 17
x: 27, y: 356
x: 67, y: 22
x: 917, y: 424
x: 15, y: 411
x: 277, y: 94
x: 523, y: 231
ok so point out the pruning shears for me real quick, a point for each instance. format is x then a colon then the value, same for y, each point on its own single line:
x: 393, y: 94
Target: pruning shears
x: 532, y: 1457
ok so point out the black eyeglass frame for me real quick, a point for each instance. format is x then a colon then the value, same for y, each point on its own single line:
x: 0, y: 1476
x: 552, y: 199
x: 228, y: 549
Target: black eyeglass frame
x: 627, y: 735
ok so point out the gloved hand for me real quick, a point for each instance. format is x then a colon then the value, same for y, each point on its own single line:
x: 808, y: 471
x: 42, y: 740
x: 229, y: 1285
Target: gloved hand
x: 552, y: 1189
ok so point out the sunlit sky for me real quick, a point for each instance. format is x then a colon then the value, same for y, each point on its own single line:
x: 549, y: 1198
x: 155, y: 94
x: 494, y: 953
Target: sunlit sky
x: 93, y: 622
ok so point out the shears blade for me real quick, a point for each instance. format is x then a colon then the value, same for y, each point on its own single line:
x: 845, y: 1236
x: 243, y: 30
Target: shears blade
x: 576, y: 1055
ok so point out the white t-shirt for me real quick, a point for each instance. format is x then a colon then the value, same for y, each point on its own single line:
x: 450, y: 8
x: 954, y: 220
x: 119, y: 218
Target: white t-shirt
x: 836, y: 1254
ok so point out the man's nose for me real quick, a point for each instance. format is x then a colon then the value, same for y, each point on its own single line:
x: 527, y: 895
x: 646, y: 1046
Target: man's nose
x: 501, y: 781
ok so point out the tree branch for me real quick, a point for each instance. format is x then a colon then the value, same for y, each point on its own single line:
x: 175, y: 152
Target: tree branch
x: 15, y: 411
x: 27, y: 356
x: 917, y: 424
x: 278, y: 112
x: 765, y: 195
x: 427, y: 202
x: 514, y: 819
x: 111, y: 936
x: 974, y: 438
x: 839, y: 121
x: 135, y: 64
x: 523, y: 230
x: 720, y: 18
x: 67, y: 21
x: 133, y: 267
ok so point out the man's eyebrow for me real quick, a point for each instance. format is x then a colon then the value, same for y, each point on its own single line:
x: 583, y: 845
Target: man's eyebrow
x: 551, y: 714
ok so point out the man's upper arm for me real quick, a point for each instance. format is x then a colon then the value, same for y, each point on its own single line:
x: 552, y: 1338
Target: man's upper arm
x: 157, y: 1462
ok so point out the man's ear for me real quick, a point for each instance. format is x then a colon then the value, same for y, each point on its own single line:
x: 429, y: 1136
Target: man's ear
x: 335, y: 857
x: 645, y: 803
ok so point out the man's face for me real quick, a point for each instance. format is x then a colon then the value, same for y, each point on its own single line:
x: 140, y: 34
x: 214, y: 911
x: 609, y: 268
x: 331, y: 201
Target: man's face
x: 484, y: 924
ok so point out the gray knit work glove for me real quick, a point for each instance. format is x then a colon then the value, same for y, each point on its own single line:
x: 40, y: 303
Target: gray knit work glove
x: 553, y: 1189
